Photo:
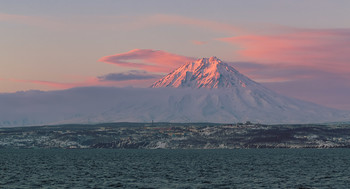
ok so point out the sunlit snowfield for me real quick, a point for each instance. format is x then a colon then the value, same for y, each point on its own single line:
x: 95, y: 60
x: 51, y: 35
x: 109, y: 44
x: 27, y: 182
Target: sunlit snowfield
x: 241, y: 168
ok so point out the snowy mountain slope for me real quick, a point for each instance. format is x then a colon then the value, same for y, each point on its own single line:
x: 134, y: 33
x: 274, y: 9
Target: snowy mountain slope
x: 206, y: 90
x: 101, y: 104
x: 205, y: 73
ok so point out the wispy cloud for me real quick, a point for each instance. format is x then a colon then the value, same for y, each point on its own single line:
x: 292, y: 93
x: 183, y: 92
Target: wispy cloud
x: 61, y: 85
x: 130, y: 78
x: 148, y: 60
x: 126, y: 76
x: 316, y: 49
x: 156, y: 61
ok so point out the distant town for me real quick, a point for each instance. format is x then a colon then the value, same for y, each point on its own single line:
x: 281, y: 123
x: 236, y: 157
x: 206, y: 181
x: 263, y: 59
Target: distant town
x: 177, y: 136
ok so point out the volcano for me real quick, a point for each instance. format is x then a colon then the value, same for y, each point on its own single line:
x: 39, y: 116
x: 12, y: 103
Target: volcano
x: 205, y: 90
x: 205, y: 73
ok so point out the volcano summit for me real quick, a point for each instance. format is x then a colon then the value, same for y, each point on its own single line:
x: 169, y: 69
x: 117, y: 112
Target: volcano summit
x: 204, y: 73
x: 206, y: 90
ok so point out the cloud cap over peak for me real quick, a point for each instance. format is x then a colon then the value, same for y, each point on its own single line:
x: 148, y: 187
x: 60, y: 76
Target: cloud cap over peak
x: 147, y: 59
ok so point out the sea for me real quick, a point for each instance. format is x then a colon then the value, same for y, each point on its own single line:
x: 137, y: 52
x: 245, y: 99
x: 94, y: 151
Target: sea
x: 224, y: 168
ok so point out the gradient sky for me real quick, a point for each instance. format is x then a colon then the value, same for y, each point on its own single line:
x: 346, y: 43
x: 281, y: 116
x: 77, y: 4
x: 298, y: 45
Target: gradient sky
x: 298, y: 48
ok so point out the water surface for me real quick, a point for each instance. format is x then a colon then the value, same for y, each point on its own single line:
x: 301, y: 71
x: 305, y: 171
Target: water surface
x: 239, y: 168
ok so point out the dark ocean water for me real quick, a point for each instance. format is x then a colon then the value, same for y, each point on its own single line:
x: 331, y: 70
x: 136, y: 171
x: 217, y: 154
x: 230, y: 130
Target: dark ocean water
x: 242, y: 168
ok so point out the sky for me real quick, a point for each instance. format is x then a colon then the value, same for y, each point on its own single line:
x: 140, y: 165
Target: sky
x: 300, y: 49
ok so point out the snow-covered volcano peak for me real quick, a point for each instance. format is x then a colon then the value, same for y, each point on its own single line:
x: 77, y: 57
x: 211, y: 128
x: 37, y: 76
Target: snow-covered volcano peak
x: 239, y: 99
x: 205, y: 73
x: 209, y: 61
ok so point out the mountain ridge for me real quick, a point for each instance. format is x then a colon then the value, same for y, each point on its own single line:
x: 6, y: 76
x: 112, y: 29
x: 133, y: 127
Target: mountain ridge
x: 204, y: 73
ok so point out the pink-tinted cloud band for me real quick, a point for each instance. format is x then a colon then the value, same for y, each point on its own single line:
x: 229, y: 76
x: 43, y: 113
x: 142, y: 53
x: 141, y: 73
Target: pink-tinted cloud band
x: 147, y: 59
x: 131, y: 78
x: 319, y: 49
x: 61, y: 85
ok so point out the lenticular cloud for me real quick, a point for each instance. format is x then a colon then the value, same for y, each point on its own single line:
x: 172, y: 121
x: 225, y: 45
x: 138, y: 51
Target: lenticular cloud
x: 147, y: 59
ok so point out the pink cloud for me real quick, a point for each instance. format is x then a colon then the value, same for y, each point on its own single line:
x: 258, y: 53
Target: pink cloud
x: 61, y: 85
x: 317, y: 49
x: 144, y: 59
x: 57, y: 85
x: 147, y: 59
x: 131, y: 78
